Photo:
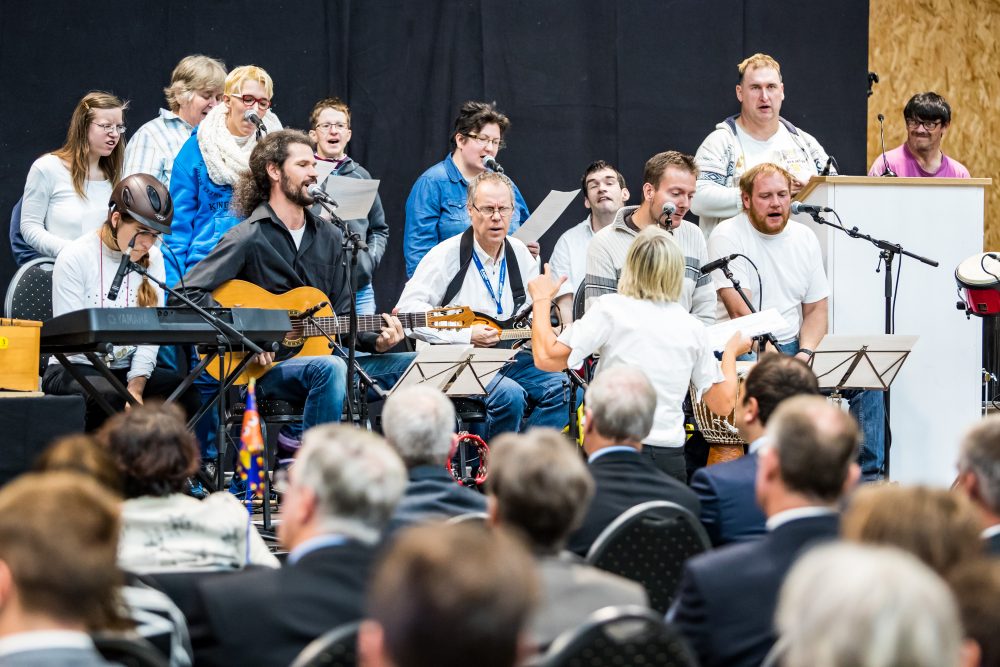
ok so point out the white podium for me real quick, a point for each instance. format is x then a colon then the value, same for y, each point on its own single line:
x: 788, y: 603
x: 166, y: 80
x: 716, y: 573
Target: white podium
x: 938, y: 393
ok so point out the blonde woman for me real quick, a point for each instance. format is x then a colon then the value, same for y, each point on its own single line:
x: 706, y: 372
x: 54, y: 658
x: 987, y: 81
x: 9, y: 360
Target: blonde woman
x: 66, y: 192
x: 644, y: 326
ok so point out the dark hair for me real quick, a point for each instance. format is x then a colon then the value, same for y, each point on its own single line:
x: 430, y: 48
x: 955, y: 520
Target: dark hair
x: 474, y: 116
x: 976, y: 585
x: 927, y: 106
x: 657, y: 165
x: 776, y: 377
x: 152, y: 448
x: 81, y: 454
x: 596, y: 166
x: 446, y: 593
x: 254, y: 186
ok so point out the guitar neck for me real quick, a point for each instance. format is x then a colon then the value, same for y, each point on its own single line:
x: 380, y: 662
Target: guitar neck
x: 333, y: 325
x: 515, y: 334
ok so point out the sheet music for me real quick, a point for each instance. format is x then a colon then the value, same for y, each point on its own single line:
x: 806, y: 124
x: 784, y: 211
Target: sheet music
x: 751, y: 325
x: 545, y: 215
x: 354, y: 196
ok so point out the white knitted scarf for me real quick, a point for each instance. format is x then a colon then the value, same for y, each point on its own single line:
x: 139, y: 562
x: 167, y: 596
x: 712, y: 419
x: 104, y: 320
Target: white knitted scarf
x: 224, y: 158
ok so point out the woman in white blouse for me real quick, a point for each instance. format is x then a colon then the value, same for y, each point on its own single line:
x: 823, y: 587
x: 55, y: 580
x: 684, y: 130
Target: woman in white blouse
x: 644, y: 326
x: 67, y: 191
x: 141, y: 210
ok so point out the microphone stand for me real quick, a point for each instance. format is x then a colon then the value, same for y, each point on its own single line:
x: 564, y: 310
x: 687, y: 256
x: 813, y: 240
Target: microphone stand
x: 226, y: 333
x: 762, y: 338
x: 887, y: 253
x: 353, y: 243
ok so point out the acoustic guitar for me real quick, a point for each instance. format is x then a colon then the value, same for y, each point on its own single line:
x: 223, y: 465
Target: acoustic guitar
x: 313, y: 320
x: 515, y: 331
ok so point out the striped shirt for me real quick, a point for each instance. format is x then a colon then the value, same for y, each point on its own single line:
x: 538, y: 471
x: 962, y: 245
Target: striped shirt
x: 155, y: 145
x: 606, y: 257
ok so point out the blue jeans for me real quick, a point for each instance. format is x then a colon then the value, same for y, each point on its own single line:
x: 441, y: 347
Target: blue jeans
x: 868, y: 408
x: 521, y: 385
x: 181, y: 359
x: 320, y: 383
x: 365, y: 300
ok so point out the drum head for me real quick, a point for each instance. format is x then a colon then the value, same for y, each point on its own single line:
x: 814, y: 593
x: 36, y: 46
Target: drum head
x: 970, y: 272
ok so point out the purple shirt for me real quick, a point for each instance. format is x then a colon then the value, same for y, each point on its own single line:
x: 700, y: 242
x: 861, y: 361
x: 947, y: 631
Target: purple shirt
x: 905, y: 165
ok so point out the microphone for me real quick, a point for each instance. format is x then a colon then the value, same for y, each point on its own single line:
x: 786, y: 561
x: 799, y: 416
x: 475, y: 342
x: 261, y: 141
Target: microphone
x: 116, y: 284
x: 669, y: 209
x: 255, y: 119
x: 881, y: 133
x: 490, y: 163
x: 718, y: 263
x: 799, y: 207
x: 319, y: 194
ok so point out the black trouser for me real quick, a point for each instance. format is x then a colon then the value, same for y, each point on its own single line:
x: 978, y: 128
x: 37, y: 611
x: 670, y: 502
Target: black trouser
x: 57, y: 380
x: 668, y: 459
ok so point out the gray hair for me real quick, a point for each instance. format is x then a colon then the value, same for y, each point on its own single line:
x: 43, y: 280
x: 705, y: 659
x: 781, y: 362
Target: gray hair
x: 419, y: 422
x: 844, y: 605
x: 488, y: 176
x: 356, y: 477
x: 622, y: 402
x: 980, y: 455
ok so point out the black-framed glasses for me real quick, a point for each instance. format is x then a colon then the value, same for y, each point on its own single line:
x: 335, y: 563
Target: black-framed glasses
x: 490, y: 211
x: 929, y: 125
x: 262, y: 103
x: 487, y: 141
x: 110, y: 128
x: 325, y: 127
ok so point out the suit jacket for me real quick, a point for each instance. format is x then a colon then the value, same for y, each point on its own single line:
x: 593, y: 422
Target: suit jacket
x: 727, y: 598
x: 573, y: 590
x: 729, y: 509
x: 993, y: 545
x: 433, y: 493
x: 266, y: 617
x: 623, y: 480
x: 56, y: 657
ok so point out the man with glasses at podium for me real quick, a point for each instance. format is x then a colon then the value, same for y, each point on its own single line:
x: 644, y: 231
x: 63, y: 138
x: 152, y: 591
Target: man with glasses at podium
x: 927, y: 117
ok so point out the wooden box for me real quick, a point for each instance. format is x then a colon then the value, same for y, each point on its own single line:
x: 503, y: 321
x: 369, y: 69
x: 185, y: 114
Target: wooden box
x: 19, y: 356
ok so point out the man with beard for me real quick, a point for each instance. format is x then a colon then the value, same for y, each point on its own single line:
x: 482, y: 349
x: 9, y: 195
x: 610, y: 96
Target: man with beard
x: 789, y: 265
x: 279, y: 246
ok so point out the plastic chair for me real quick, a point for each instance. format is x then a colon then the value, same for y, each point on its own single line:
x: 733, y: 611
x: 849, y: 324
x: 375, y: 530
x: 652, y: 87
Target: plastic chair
x: 614, y: 636
x: 19, y: 248
x: 29, y: 294
x: 335, y: 648
x: 649, y: 544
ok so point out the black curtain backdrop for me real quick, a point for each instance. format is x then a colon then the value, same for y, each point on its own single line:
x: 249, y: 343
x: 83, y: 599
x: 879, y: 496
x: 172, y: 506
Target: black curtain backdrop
x: 581, y: 81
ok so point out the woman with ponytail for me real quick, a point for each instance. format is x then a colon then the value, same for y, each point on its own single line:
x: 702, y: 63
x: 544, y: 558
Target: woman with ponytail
x: 140, y: 211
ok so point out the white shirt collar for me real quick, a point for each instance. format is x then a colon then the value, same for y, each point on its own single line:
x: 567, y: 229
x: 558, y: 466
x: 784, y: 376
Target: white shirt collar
x: 757, y: 444
x: 45, y: 639
x: 484, y: 256
x: 611, y: 449
x: 991, y: 531
x: 781, y: 518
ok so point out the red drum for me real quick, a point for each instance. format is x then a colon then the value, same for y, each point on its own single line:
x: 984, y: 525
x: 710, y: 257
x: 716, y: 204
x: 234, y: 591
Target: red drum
x: 978, y: 280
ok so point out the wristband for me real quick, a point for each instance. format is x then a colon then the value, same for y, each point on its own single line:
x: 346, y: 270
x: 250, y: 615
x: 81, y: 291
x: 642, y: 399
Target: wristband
x: 805, y: 350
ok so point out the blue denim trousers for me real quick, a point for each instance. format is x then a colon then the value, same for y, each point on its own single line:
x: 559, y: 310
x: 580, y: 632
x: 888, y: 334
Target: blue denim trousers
x: 519, y: 386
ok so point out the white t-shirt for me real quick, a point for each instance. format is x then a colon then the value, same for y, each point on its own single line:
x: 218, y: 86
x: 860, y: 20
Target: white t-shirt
x: 569, y: 256
x: 779, y: 149
x: 790, y: 264
x: 52, y: 213
x: 663, y: 339
x: 297, y: 235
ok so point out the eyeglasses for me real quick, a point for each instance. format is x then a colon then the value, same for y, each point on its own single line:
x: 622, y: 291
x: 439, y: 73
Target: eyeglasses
x: 929, y: 125
x: 325, y: 127
x: 487, y: 141
x: 249, y: 100
x: 105, y: 127
x: 490, y: 211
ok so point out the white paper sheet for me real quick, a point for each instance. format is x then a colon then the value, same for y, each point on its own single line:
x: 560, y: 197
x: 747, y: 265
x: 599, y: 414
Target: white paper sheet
x: 751, y: 325
x: 354, y: 196
x: 545, y: 215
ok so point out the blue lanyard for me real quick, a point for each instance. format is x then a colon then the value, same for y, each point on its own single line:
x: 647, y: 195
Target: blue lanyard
x: 486, y: 281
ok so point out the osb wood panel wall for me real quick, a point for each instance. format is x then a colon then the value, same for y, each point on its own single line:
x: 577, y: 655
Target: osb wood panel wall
x: 951, y: 47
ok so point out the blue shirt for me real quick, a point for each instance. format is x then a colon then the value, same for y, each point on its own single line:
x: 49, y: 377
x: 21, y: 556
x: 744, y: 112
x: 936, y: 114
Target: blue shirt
x: 435, y: 211
x: 608, y: 450
x: 314, y: 544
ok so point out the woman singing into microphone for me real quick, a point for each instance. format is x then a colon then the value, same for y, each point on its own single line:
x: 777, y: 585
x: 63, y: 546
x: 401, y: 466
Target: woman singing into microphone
x: 85, y: 271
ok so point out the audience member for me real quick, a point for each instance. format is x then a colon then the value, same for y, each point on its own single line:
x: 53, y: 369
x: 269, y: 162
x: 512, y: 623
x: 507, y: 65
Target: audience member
x: 979, y: 477
x: 436, y: 207
x: 419, y: 423
x: 618, y: 416
x: 67, y: 191
x: 539, y: 487
x: 81, y: 454
x: 195, y: 88
x: 727, y: 596
x: 161, y: 526
x: 976, y: 586
x: 928, y: 117
x: 58, y: 580
x: 340, y: 493
x: 449, y: 596
x: 729, y: 510
x: 845, y: 605
x: 937, y: 526
x: 330, y: 121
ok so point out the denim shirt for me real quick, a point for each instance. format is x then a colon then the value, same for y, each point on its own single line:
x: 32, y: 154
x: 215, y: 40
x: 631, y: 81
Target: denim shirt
x: 435, y: 211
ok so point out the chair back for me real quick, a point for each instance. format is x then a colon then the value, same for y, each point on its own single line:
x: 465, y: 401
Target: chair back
x: 334, y: 648
x: 649, y: 544
x: 19, y: 248
x: 586, y: 291
x: 29, y: 295
x: 627, y: 635
x: 128, y: 651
